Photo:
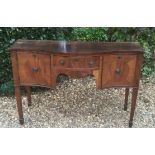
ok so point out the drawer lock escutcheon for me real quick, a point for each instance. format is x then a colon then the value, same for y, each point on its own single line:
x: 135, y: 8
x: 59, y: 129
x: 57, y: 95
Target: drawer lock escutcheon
x: 35, y: 69
x: 62, y: 62
x: 117, y: 71
x: 119, y: 57
x: 91, y: 63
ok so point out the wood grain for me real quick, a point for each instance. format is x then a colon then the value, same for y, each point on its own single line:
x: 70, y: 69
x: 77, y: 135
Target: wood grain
x: 75, y: 47
x: 119, y: 70
x: 114, y: 65
x: 17, y: 86
x: 34, y: 68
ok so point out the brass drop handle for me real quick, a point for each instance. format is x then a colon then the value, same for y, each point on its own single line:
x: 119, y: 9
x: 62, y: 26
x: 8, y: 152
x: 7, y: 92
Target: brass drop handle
x: 62, y: 62
x: 117, y: 71
x: 35, y: 69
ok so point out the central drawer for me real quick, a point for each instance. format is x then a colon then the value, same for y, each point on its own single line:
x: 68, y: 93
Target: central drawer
x: 77, y: 62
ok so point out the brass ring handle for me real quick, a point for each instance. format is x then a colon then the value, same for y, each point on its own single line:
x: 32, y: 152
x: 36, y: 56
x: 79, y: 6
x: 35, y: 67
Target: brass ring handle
x: 62, y: 62
x: 35, y: 69
x: 117, y: 71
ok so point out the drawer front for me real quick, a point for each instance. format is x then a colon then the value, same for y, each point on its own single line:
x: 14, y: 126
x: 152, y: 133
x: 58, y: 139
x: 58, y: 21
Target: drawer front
x: 77, y: 62
x: 34, y: 68
x: 119, y: 70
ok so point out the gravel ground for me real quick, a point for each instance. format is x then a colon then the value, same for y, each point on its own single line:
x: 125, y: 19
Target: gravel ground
x: 77, y: 104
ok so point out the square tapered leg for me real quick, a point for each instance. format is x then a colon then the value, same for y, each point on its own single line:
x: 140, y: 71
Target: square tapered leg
x: 126, y: 99
x: 28, y: 91
x: 19, y: 104
x: 133, y: 105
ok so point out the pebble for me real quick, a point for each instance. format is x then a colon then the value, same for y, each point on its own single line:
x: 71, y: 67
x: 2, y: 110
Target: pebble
x: 76, y: 103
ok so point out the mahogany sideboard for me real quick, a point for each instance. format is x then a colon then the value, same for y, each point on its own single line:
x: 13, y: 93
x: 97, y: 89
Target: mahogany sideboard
x: 113, y: 64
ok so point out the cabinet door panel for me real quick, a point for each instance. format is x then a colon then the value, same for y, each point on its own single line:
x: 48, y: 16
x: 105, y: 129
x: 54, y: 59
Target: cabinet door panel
x: 118, y: 70
x: 34, y: 68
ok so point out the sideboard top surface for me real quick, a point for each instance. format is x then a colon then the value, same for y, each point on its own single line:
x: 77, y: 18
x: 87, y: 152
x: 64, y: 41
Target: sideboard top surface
x: 75, y: 46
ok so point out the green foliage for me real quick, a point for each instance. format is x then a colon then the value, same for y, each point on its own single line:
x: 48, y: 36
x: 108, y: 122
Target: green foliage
x: 146, y: 36
x: 9, y: 35
x: 90, y: 34
x: 7, y: 88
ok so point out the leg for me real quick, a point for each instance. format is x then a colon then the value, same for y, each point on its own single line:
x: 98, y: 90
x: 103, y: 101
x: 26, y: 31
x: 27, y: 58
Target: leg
x: 19, y: 104
x: 126, y: 99
x: 28, y: 89
x: 133, y: 105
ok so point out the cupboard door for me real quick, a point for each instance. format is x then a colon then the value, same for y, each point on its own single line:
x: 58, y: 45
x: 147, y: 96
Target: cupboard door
x: 119, y: 70
x: 34, y: 68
